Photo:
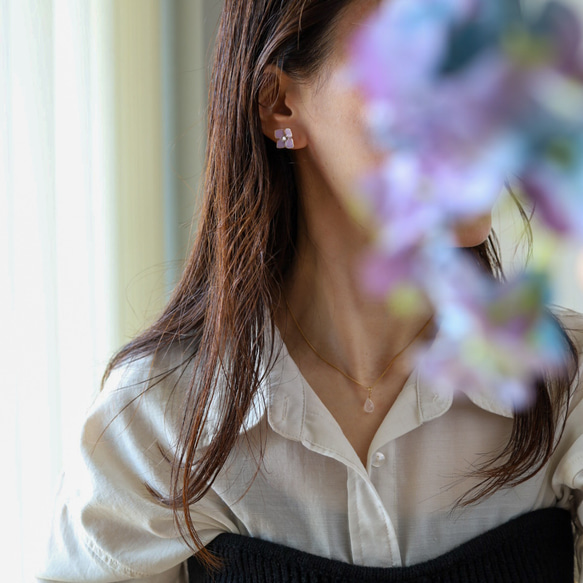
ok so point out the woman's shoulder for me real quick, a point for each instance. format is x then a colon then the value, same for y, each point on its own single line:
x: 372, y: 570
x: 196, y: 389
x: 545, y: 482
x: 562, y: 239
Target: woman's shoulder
x: 147, y: 390
x: 164, y: 369
x: 150, y: 394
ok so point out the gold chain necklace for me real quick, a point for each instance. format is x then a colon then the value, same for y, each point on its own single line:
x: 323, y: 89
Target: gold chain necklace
x: 368, y: 404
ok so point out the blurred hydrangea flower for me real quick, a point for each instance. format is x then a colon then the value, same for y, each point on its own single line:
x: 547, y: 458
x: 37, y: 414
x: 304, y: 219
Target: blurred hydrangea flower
x: 487, y: 96
x: 493, y: 337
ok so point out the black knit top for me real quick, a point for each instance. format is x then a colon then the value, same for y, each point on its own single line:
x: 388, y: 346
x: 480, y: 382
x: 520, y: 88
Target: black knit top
x: 536, y: 547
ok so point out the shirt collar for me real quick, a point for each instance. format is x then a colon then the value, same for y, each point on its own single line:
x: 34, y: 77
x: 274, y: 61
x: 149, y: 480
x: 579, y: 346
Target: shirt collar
x: 433, y: 403
x: 295, y: 411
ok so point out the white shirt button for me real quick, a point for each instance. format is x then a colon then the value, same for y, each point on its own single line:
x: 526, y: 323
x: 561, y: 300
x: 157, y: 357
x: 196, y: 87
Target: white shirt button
x: 378, y: 459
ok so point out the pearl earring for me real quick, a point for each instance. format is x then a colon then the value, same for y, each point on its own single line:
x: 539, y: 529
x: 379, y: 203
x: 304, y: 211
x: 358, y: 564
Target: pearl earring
x: 284, y: 139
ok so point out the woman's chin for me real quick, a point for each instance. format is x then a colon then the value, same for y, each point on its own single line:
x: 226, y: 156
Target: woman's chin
x: 474, y: 232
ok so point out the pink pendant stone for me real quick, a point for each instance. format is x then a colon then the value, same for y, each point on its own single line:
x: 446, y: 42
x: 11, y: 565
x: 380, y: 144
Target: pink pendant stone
x: 368, y: 405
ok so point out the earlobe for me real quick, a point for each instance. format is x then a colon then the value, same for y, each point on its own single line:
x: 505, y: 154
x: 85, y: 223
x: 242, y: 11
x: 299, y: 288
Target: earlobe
x: 280, y: 119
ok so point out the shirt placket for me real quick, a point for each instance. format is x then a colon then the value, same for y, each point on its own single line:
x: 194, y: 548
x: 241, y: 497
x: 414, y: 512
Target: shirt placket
x: 372, y: 532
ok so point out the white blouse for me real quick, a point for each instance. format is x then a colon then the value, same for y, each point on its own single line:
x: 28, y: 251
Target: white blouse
x: 312, y: 491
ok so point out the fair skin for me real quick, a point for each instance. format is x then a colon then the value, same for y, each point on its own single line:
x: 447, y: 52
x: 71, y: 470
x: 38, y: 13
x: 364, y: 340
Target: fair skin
x: 356, y: 333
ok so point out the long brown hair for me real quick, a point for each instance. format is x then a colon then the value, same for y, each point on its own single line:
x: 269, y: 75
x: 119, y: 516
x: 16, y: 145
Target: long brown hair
x: 222, y: 311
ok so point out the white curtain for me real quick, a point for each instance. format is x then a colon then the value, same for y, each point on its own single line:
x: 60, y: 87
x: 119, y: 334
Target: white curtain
x: 93, y: 106
x: 57, y: 169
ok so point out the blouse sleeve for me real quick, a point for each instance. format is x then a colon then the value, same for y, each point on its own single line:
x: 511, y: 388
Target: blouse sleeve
x: 107, y: 526
x: 568, y: 482
x: 567, y: 478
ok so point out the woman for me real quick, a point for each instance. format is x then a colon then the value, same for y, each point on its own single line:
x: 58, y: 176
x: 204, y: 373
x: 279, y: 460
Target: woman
x: 272, y: 399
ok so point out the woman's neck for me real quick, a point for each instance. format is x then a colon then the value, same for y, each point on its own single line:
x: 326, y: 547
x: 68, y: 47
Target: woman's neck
x: 349, y: 328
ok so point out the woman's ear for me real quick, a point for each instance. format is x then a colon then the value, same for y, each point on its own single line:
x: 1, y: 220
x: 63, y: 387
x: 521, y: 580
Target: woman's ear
x: 279, y: 110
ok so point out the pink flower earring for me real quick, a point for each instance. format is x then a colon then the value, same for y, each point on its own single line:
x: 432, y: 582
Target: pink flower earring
x: 284, y: 139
